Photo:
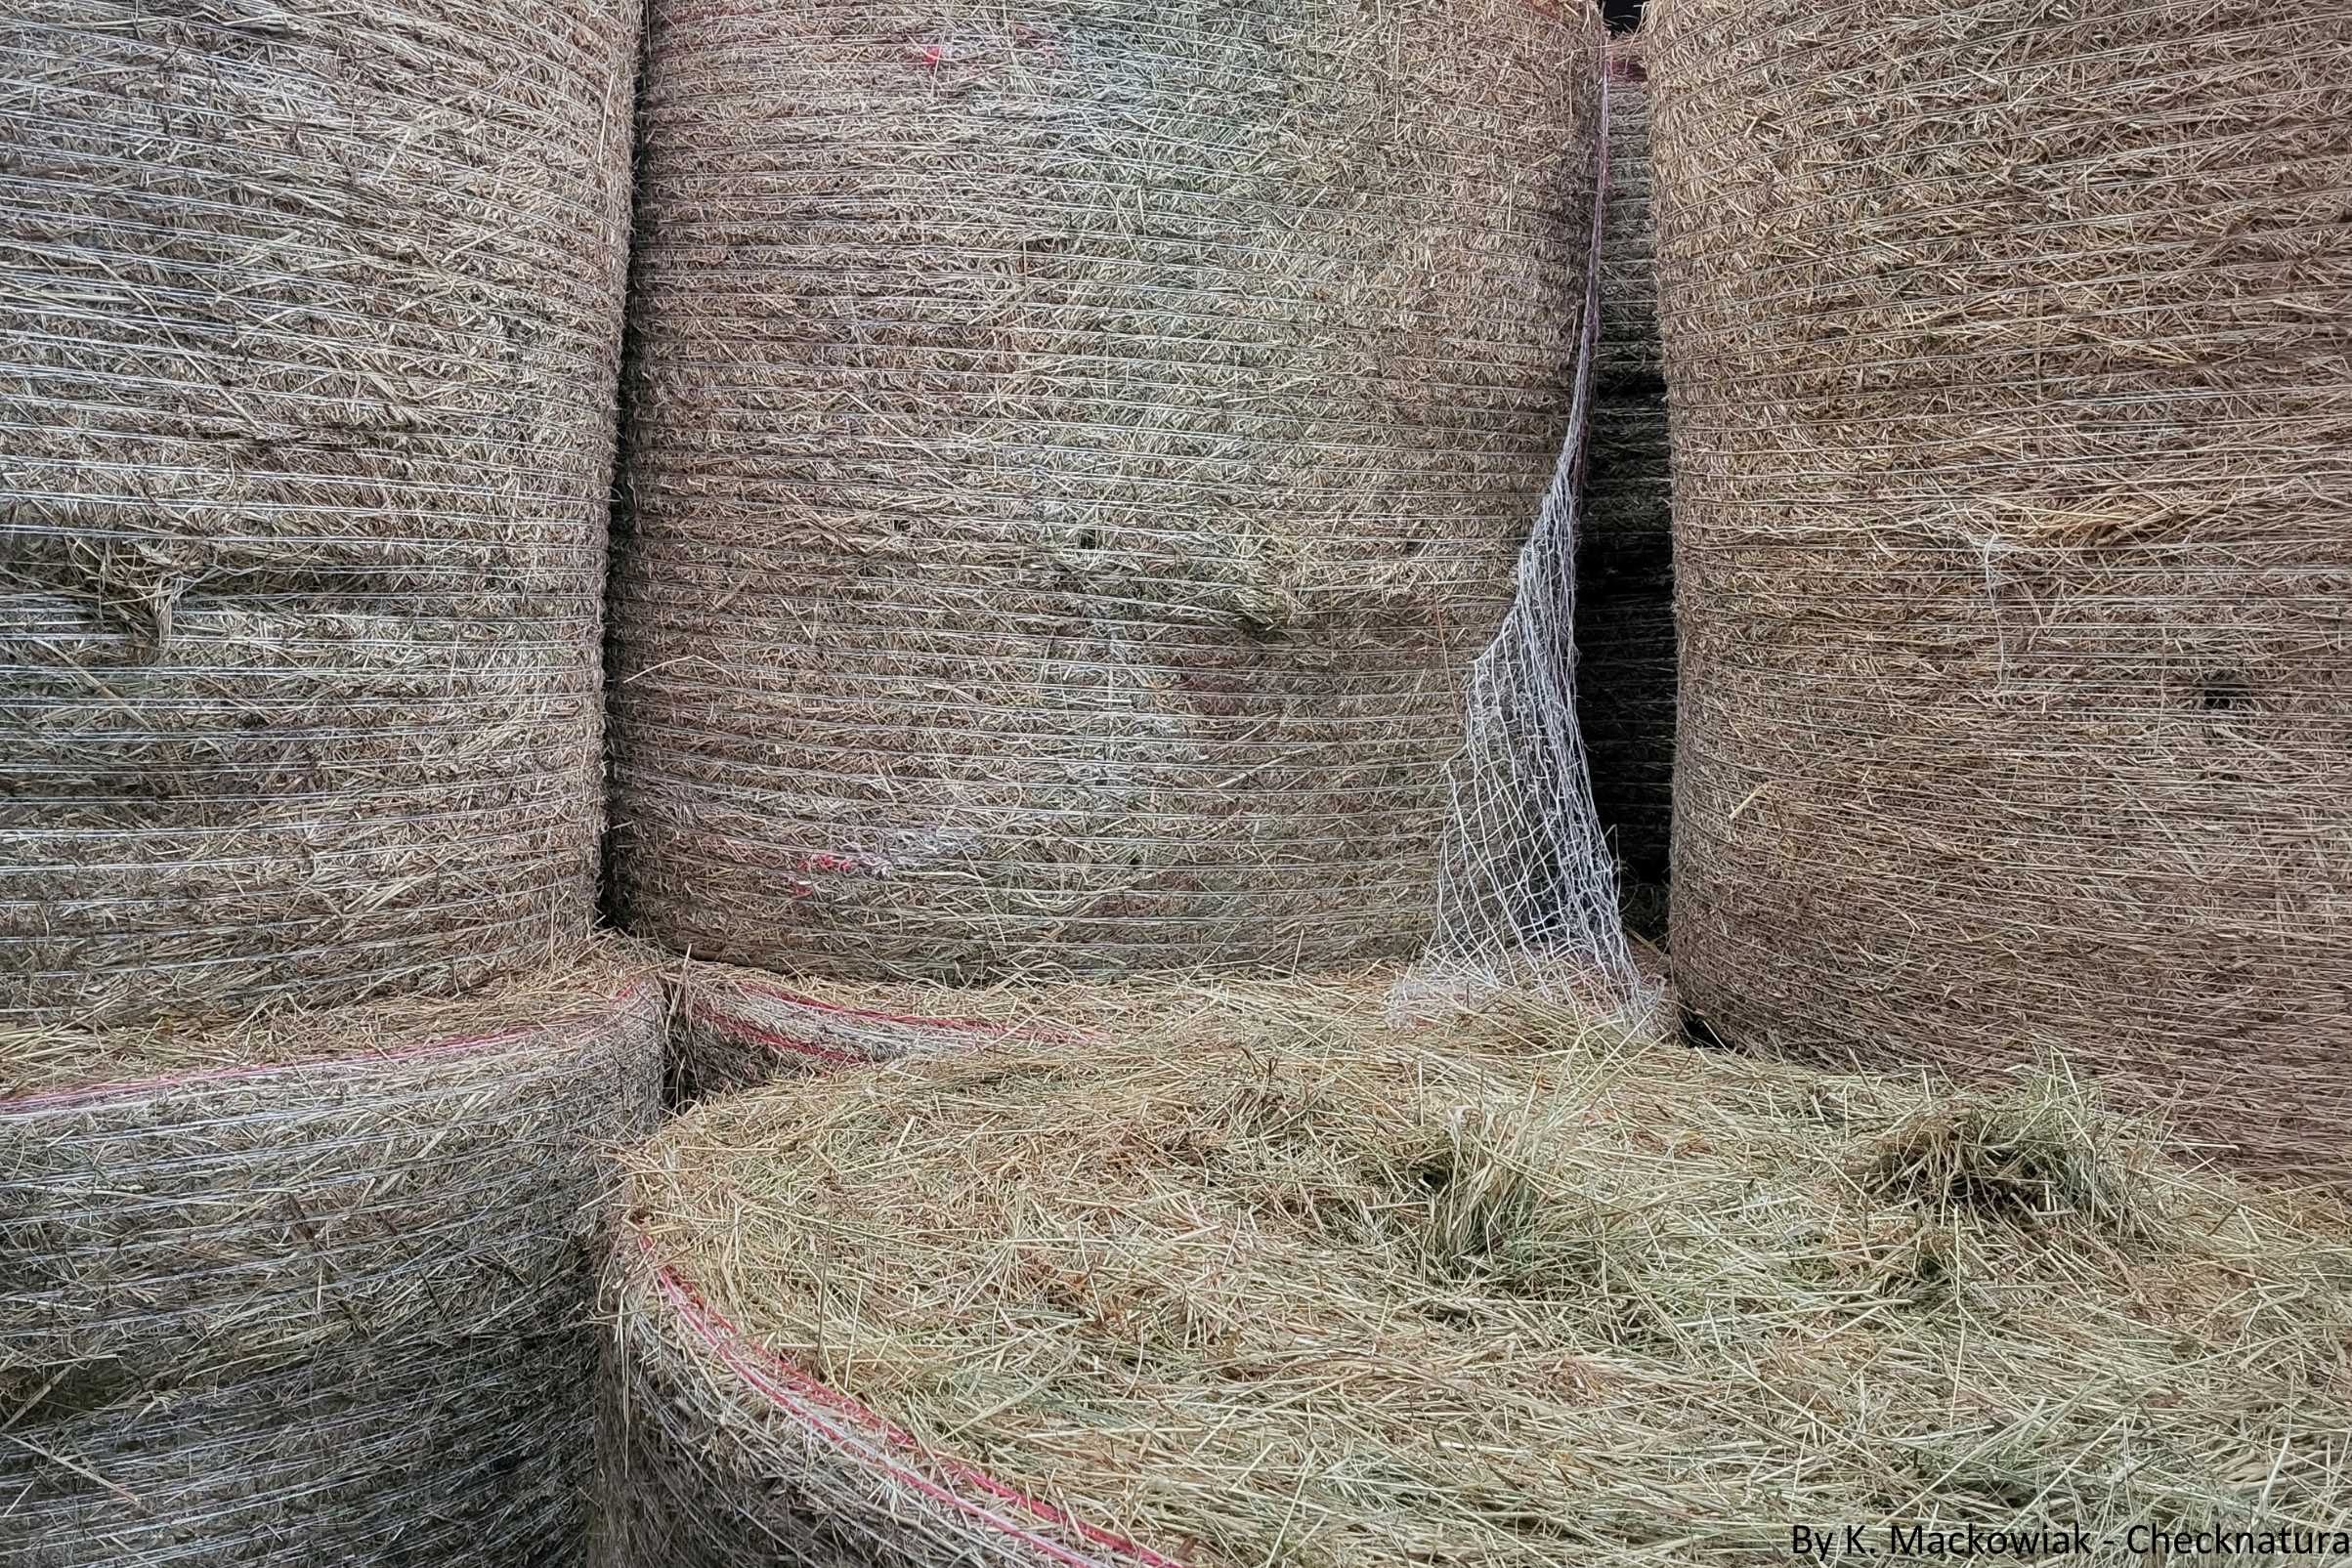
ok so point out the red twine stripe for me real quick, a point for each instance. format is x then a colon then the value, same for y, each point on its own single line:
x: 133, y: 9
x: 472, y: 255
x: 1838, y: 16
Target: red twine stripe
x: 364, y: 1061
x: 913, y: 1020
x: 768, y: 1037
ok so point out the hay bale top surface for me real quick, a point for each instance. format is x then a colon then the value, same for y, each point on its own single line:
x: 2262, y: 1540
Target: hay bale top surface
x: 1245, y: 1276
x: 579, y: 982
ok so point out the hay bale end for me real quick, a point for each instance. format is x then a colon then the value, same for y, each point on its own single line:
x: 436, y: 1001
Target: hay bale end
x: 1238, y: 1273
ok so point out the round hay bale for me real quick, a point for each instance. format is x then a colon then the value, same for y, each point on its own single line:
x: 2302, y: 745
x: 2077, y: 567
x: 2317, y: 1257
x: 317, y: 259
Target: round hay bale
x: 309, y: 359
x: 1625, y: 636
x: 315, y: 1291
x: 1240, y: 1275
x: 2015, y: 539
x: 1078, y: 447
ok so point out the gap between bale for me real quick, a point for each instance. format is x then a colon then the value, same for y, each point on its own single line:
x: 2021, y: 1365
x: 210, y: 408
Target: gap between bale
x: 739, y: 1028
x: 1626, y: 646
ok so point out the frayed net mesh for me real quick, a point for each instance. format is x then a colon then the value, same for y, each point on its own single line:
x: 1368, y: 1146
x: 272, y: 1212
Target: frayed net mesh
x: 1527, y: 887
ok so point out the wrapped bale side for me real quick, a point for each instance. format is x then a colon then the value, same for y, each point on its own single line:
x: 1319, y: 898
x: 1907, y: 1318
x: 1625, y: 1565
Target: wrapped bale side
x: 1625, y: 636
x: 1220, y: 1275
x: 1078, y: 447
x: 315, y: 1291
x: 2014, y: 486
x: 308, y: 366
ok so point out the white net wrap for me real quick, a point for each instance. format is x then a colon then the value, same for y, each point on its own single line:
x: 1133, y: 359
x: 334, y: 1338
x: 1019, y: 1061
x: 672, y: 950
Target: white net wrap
x: 1527, y: 887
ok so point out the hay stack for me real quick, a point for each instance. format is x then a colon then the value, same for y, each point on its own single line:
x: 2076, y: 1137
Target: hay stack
x: 1625, y: 637
x: 310, y: 354
x: 1078, y: 447
x: 2011, y: 421
x: 1239, y: 1276
x: 314, y: 1290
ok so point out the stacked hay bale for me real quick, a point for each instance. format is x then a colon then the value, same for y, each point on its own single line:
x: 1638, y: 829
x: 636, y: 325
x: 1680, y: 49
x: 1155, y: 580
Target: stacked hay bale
x: 1078, y: 447
x: 309, y: 361
x: 315, y: 1290
x: 2011, y: 419
x: 1625, y: 637
x: 1227, y: 1276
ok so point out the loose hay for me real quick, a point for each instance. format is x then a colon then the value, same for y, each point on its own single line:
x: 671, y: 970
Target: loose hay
x: 2009, y: 352
x: 308, y: 358
x: 313, y: 1291
x: 1077, y: 448
x: 1625, y: 637
x: 1235, y: 1276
